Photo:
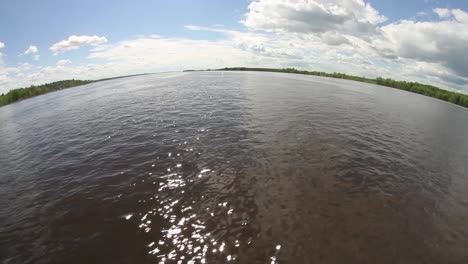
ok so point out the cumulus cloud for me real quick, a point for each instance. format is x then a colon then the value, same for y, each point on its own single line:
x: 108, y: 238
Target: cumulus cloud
x: 443, y: 42
x: 75, y: 42
x: 31, y: 50
x: 355, y: 27
x: 353, y: 17
x: 334, y: 39
x: 2, y: 45
x: 442, y: 12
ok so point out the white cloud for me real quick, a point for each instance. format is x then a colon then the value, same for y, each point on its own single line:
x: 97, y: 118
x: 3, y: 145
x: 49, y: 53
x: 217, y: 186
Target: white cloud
x: 159, y: 54
x: 2, y: 45
x: 24, y: 67
x: 75, y: 42
x: 334, y: 39
x: 63, y: 62
x: 10, y: 75
x: 31, y: 50
x: 193, y: 27
x: 353, y: 17
x: 443, y: 42
x: 353, y: 26
x: 212, y: 29
x: 442, y: 12
x: 460, y: 16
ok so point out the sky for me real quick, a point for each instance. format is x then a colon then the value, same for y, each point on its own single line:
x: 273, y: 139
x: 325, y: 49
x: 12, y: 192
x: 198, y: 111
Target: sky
x: 412, y: 40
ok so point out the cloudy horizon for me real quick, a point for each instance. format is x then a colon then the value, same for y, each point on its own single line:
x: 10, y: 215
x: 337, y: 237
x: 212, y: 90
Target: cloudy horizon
x: 349, y: 36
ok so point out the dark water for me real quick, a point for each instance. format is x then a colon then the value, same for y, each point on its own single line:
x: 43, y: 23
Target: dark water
x: 243, y: 167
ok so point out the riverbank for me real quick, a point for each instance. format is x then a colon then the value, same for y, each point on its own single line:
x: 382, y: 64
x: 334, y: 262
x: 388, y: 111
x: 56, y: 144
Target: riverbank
x: 24, y: 93
x: 35, y: 90
x: 415, y: 87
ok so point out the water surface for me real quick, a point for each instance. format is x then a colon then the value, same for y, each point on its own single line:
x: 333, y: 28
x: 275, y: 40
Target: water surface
x: 246, y: 167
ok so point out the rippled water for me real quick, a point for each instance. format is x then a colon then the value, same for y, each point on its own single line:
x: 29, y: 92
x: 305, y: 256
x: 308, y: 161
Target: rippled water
x: 211, y: 167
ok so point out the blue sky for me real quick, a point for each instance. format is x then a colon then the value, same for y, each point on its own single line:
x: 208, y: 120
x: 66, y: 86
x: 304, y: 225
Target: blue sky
x: 370, y: 38
x: 45, y: 22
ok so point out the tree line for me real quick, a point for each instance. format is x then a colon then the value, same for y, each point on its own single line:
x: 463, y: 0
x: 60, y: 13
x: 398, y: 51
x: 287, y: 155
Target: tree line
x: 415, y: 87
x: 34, y: 90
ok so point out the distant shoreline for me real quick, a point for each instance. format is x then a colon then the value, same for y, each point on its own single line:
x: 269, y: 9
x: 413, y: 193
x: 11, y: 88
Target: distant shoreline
x: 414, y: 87
x: 20, y: 94
x: 16, y: 95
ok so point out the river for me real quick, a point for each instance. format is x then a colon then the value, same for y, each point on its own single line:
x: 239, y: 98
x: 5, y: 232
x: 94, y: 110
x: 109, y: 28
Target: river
x: 241, y: 167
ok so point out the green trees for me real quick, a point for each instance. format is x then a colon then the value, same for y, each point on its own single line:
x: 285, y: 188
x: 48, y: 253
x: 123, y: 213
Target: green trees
x: 23, y: 93
x: 424, y: 89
